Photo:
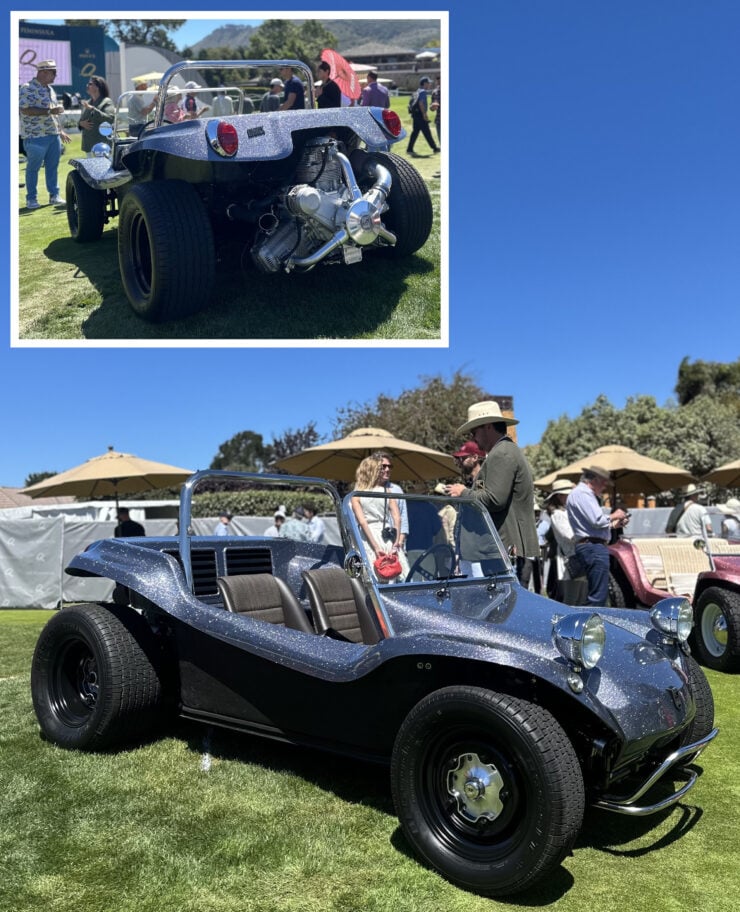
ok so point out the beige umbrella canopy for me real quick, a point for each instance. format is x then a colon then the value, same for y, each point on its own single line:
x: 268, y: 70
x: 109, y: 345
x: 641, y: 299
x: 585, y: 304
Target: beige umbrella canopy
x: 726, y: 476
x: 110, y: 474
x: 339, y: 459
x: 631, y: 472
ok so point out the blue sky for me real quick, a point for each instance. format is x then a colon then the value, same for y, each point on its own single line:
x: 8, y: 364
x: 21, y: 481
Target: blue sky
x: 594, y: 242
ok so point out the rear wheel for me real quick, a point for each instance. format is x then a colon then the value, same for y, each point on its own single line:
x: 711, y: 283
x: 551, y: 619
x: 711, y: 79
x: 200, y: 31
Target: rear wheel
x: 716, y: 634
x: 85, y: 209
x: 93, y: 677
x: 487, y: 787
x: 166, y: 250
x: 410, y: 215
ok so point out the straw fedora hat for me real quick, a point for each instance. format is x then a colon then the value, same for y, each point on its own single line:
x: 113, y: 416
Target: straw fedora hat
x: 488, y: 412
x: 560, y: 486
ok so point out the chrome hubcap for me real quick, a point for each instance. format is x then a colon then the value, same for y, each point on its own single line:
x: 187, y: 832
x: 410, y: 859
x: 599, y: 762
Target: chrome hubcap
x: 476, y: 787
x: 714, y: 630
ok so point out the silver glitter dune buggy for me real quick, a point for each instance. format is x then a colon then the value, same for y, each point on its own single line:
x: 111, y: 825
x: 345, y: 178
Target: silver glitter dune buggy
x: 299, y: 187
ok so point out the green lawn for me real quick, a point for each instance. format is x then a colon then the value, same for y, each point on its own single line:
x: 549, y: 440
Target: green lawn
x: 268, y: 828
x: 71, y: 291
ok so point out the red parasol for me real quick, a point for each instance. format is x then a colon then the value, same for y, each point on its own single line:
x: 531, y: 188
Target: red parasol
x: 342, y: 73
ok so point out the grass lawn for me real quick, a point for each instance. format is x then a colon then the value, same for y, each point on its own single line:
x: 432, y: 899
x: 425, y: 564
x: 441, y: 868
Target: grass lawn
x: 70, y: 291
x: 255, y: 826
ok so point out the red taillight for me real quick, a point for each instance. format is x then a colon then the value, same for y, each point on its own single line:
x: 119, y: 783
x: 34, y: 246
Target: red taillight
x: 227, y: 137
x: 392, y: 122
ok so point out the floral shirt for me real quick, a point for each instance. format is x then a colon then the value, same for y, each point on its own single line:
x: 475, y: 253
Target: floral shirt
x: 35, y: 95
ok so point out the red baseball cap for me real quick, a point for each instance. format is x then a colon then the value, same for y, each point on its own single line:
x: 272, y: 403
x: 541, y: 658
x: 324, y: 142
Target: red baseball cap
x: 469, y: 448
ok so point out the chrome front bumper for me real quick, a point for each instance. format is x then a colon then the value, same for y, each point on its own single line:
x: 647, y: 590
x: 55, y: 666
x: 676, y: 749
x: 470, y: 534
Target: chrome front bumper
x: 684, y: 755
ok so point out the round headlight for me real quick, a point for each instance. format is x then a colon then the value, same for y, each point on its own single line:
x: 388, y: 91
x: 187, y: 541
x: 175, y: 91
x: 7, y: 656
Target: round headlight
x: 580, y: 638
x: 673, y: 617
x: 101, y: 150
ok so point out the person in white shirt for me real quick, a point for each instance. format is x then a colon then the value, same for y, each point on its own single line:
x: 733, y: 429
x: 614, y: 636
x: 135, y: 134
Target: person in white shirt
x: 316, y: 525
x: 695, y: 519
x: 278, y: 518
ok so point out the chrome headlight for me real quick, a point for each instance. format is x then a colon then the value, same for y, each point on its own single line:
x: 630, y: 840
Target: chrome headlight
x: 101, y: 150
x: 673, y: 617
x: 580, y: 638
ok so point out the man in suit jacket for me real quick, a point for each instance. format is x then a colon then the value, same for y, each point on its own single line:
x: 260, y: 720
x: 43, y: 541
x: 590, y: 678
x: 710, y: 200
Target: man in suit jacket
x: 503, y: 486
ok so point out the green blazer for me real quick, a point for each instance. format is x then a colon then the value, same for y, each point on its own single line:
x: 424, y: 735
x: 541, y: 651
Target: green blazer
x: 504, y: 487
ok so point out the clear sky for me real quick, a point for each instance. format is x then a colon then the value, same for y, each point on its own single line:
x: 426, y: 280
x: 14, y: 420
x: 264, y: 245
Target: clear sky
x: 595, y: 242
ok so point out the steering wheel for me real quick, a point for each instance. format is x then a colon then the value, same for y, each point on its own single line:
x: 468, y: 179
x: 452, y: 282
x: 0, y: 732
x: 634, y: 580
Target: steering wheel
x: 425, y: 574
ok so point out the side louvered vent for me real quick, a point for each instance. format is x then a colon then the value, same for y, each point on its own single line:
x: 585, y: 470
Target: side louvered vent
x: 240, y: 561
x: 204, y: 570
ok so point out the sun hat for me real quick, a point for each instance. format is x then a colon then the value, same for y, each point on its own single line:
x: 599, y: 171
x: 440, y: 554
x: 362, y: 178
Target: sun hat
x: 731, y: 508
x: 560, y: 486
x: 192, y: 85
x: 139, y: 80
x: 46, y: 65
x: 599, y: 472
x: 281, y: 511
x: 469, y: 448
x: 691, y: 490
x: 488, y: 412
x: 277, y: 82
x: 423, y: 80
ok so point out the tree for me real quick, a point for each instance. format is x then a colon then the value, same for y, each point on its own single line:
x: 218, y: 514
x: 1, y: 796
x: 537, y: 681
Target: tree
x: 153, y: 32
x: 710, y: 378
x: 244, y: 452
x: 696, y: 437
x: 293, y: 441
x: 429, y: 414
x: 35, y: 477
x: 280, y: 39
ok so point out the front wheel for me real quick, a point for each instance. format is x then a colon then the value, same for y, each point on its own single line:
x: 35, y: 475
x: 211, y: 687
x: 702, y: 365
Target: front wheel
x: 85, y: 209
x: 716, y: 634
x: 166, y: 251
x: 703, y: 721
x: 93, y: 677
x: 487, y: 787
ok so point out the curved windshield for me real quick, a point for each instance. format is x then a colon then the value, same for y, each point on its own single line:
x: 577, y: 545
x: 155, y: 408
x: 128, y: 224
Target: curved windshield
x: 431, y: 538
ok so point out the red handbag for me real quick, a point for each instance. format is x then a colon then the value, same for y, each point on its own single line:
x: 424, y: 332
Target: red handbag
x: 387, y: 566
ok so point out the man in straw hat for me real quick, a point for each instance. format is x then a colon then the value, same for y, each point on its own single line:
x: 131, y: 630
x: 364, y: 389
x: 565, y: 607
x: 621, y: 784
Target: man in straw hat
x: 42, y: 134
x: 694, y: 520
x: 138, y: 107
x: 592, y: 529
x: 503, y: 485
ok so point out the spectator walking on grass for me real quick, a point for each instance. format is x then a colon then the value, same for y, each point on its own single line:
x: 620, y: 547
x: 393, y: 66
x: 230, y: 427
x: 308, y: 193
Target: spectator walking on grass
x: 41, y: 133
x: 419, y: 110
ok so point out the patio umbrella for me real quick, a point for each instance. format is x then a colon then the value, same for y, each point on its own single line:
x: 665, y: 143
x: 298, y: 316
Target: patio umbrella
x: 339, y: 459
x: 342, y: 73
x: 631, y: 472
x: 112, y: 473
x: 726, y: 476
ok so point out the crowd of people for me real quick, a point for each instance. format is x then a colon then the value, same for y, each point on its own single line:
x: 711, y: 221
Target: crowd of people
x: 42, y: 133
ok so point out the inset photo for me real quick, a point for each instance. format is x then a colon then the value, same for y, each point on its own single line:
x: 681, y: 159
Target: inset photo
x: 190, y: 182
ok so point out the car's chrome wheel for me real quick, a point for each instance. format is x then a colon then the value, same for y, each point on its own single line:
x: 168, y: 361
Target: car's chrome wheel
x: 716, y: 636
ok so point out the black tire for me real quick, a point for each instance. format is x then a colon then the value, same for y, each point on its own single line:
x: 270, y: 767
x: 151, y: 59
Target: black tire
x: 410, y: 215
x: 166, y: 250
x: 617, y: 597
x: 85, y: 209
x: 93, y: 677
x: 446, y: 739
x: 703, y: 721
x: 716, y: 635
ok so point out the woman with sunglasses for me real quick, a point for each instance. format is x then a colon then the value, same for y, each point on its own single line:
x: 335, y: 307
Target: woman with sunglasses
x: 377, y: 517
x: 100, y: 109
